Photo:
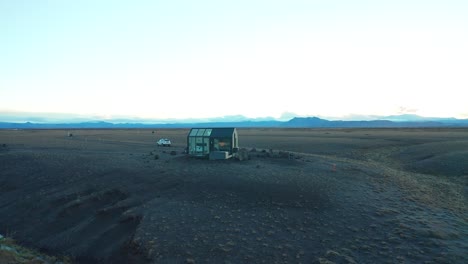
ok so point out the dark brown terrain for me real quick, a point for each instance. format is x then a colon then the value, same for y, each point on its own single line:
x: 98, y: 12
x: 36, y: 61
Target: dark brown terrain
x: 305, y: 196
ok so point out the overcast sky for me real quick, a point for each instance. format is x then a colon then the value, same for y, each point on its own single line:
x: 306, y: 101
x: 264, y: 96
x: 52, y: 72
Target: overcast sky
x: 192, y: 59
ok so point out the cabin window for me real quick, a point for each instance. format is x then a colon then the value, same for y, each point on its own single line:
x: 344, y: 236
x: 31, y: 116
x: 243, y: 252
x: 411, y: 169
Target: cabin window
x: 222, y: 144
x: 193, y: 132
x: 200, y: 132
x: 192, y: 145
x: 208, y: 132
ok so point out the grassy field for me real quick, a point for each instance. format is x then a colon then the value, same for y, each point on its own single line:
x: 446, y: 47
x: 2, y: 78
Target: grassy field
x: 340, y: 195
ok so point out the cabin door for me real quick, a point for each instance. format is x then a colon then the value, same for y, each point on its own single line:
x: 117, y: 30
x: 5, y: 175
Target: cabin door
x: 202, y: 146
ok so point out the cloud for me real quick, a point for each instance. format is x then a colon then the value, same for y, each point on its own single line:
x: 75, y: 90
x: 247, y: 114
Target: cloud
x: 406, y: 110
x: 288, y: 115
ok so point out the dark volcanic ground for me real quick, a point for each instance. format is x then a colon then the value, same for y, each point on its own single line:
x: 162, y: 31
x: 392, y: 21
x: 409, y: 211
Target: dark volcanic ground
x: 101, y: 196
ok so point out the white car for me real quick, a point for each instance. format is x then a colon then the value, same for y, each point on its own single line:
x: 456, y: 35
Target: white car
x: 164, y: 142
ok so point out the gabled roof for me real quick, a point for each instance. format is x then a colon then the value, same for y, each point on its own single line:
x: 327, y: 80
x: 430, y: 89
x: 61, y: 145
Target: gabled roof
x: 218, y: 131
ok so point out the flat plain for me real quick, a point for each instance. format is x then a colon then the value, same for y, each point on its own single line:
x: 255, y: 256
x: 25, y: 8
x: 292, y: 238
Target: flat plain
x: 304, y: 196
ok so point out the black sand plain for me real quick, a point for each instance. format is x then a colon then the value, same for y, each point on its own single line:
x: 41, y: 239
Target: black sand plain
x: 305, y: 196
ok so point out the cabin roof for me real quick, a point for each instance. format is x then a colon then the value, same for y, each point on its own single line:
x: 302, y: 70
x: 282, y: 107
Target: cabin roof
x: 218, y: 131
x: 222, y: 132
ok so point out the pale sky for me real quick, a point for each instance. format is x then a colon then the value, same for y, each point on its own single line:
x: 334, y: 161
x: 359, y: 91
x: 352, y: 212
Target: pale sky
x: 194, y: 59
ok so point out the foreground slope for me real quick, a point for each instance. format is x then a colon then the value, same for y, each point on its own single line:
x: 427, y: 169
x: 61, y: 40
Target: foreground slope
x: 337, y: 195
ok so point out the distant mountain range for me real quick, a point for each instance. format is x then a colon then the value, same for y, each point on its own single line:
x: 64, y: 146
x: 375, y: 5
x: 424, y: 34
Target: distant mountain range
x: 323, y: 123
x: 240, y: 121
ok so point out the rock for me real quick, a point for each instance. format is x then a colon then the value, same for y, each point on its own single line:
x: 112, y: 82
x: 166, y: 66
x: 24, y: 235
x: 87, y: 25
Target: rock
x: 1, y: 237
x: 243, y: 154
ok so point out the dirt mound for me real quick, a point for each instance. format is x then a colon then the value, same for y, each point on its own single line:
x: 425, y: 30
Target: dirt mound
x: 439, y: 158
x: 75, y: 216
x: 448, y: 164
x: 101, y: 219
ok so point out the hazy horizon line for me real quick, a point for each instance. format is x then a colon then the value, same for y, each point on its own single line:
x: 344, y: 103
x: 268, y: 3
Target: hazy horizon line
x: 44, y: 117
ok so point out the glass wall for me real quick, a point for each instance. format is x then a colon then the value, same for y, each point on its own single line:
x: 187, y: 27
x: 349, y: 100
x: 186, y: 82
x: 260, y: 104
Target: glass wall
x: 199, y: 142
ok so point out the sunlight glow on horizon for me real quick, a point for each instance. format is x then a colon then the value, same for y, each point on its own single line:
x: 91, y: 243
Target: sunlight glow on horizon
x: 152, y: 59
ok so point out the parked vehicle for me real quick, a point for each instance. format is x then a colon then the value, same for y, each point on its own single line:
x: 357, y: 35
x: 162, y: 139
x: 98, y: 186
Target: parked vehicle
x: 164, y: 142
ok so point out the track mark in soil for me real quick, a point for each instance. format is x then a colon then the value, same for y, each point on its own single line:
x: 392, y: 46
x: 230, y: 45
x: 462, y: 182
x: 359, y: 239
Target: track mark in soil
x: 93, y: 226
